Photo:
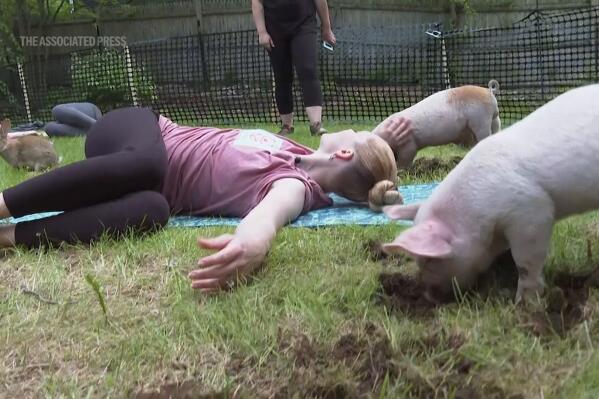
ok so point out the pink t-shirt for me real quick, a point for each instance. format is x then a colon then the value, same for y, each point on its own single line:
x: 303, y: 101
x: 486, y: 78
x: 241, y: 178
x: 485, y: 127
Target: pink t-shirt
x: 227, y: 172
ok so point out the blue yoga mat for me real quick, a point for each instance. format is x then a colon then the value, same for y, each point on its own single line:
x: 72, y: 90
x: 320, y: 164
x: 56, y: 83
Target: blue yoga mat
x: 343, y: 212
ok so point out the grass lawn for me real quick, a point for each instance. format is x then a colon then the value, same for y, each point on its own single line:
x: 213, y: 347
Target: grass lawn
x: 118, y: 319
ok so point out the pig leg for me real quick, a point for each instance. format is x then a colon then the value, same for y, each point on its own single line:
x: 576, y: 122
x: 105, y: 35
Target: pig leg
x: 495, y: 124
x: 529, y: 241
x: 481, y: 128
x: 406, y: 154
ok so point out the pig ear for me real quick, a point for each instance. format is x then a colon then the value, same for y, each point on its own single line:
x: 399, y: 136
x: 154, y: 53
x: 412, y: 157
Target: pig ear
x: 406, y: 212
x: 425, y: 239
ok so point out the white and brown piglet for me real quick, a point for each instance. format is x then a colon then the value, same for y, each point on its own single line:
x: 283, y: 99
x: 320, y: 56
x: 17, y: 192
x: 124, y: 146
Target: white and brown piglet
x: 462, y: 115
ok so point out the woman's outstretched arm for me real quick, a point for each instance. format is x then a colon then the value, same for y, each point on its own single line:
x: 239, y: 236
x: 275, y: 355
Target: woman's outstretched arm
x: 241, y: 253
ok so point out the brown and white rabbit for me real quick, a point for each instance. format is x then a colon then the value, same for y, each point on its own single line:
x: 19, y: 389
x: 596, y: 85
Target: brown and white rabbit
x: 31, y: 152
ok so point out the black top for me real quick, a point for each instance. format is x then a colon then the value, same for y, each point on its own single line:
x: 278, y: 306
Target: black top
x: 286, y: 16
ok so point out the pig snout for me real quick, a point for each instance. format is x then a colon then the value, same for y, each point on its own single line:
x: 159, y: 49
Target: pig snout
x: 436, y: 296
x: 444, y: 288
x: 448, y: 262
x: 438, y: 283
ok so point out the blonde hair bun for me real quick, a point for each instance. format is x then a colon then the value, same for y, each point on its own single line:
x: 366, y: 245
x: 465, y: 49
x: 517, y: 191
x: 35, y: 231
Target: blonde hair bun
x: 383, y: 193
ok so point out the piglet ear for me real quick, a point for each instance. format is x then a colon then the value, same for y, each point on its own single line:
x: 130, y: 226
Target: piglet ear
x: 425, y: 239
x: 406, y: 212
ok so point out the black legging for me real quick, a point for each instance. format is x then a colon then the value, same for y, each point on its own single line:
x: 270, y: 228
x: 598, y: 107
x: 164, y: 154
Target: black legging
x: 72, y: 119
x: 298, y: 49
x: 113, y: 191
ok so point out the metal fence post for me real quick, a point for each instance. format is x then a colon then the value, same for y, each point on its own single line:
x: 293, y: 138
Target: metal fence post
x: 538, y: 21
x: 25, y: 94
x: 596, y: 46
x: 200, y: 26
x: 438, y: 34
x: 445, y: 63
x: 129, y: 69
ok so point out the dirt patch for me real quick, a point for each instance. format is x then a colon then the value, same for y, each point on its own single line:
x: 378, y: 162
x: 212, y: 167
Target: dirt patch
x: 358, y: 364
x: 298, y: 347
x: 375, y: 252
x: 370, y: 355
x: 183, y: 390
x: 438, y: 340
x: 456, y: 384
x: 423, y: 167
x: 455, y: 378
x: 565, y: 297
x: 565, y: 304
x: 452, y: 341
x: 353, y: 366
x: 455, y: 373
x: 404, y: 294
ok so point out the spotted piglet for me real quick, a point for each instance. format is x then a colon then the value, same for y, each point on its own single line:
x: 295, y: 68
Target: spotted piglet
x: 506, y: 194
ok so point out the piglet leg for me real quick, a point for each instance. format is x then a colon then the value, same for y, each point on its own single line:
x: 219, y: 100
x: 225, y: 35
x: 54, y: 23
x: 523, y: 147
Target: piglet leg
x: 406, y: 154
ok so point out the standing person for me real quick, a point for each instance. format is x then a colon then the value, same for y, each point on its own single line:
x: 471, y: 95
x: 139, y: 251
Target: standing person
x: 287, y: 29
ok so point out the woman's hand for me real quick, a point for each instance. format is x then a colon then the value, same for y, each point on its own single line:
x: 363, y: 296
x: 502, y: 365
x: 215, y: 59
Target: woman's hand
x: 240, y: 254
x: 265, y: 40
x: 396, y: 131
x: 236, y: 258
x: 329, y: 36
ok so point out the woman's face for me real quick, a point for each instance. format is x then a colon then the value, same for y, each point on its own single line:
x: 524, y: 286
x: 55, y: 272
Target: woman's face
x: 330, y: 143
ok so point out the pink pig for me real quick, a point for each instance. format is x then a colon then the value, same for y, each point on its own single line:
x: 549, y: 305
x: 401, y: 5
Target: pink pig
x: 506, y: 194
x: 462, y: 115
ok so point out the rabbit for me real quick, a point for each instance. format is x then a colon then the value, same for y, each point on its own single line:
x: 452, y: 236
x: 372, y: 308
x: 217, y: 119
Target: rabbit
x: 30, y: 152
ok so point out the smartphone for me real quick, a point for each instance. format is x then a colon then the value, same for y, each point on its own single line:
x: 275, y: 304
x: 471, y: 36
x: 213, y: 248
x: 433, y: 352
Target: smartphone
x: 328, y: 46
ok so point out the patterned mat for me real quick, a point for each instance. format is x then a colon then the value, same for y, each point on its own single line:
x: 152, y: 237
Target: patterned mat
x: 343, y: 212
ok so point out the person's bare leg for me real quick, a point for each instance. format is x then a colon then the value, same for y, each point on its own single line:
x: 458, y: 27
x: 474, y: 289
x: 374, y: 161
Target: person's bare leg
x: 287, y: 119
x: 315, y: 117
x: 4, y: 212
x: 314, y: 114
x: 7, y: 236
x: 287, y: 124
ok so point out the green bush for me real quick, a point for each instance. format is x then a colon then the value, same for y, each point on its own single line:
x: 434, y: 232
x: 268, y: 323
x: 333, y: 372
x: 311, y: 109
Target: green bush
x: 10, y: 106
x: 101, y: 78
x: 6, y: 96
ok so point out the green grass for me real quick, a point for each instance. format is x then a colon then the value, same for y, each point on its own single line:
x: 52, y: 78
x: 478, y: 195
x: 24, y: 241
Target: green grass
x: 127, y: 320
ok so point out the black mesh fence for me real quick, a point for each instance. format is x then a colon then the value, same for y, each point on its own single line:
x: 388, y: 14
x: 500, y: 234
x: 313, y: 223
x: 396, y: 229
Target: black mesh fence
x: 219, y: 78
x: 225, y: 78
x: 534, y: 60
x: 373, y: 73
x: 12, y: 102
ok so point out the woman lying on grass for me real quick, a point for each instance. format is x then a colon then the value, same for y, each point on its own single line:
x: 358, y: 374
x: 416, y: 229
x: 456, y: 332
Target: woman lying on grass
x: 141, y: 167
